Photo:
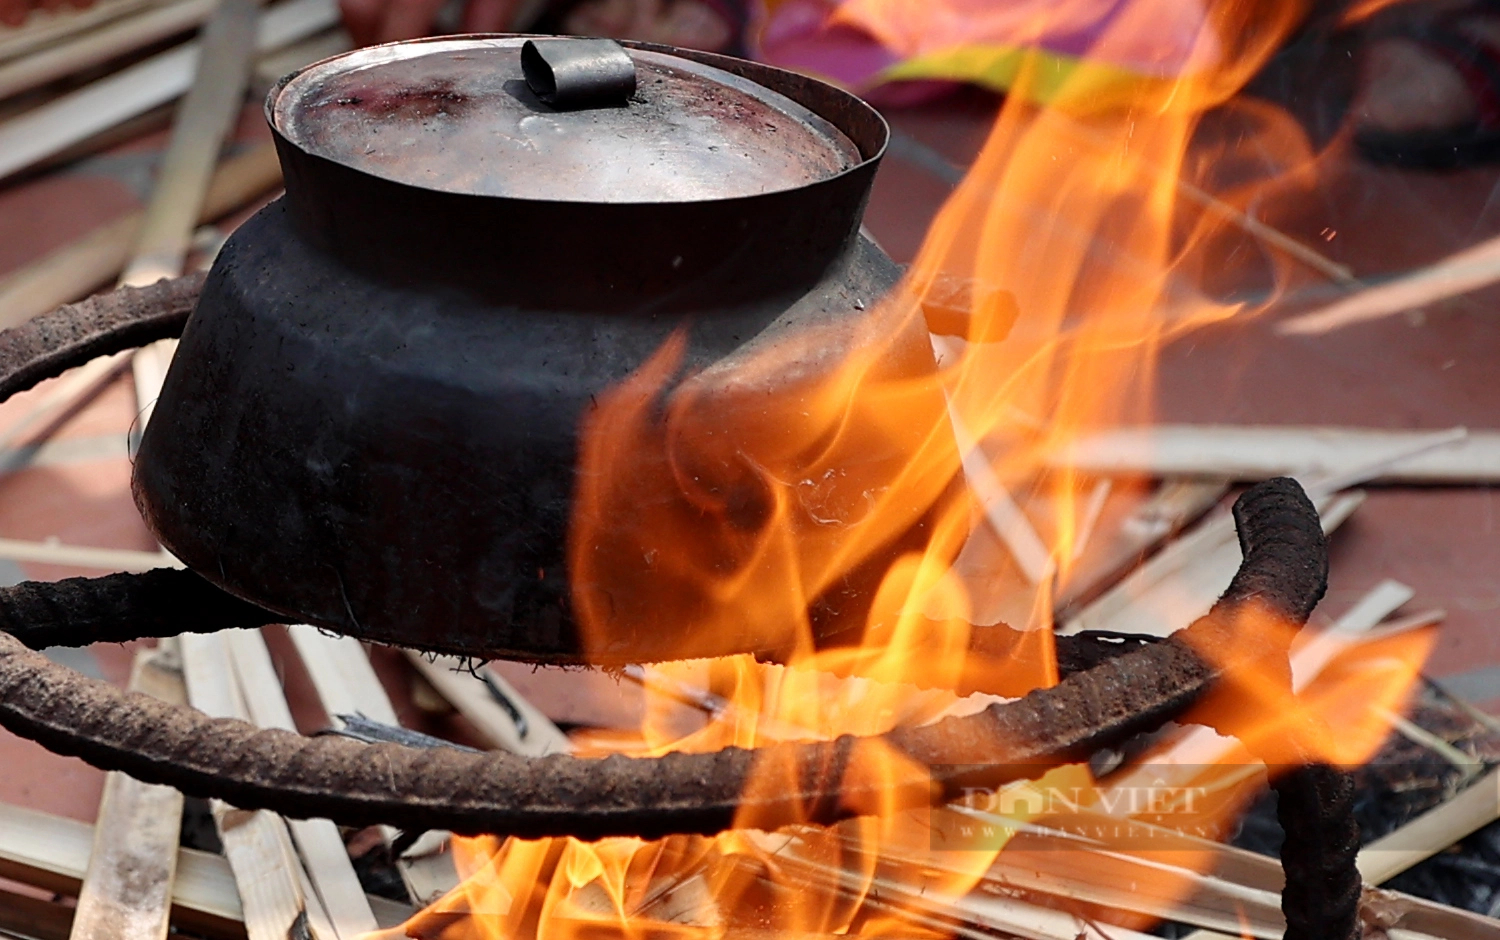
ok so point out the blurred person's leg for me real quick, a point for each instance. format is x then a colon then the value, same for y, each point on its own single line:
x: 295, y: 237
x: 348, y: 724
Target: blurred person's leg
x: 715, y: 25
x: 712, y: 25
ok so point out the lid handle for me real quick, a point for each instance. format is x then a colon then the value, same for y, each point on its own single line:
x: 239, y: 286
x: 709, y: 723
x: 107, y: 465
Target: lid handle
x: 578, y: 73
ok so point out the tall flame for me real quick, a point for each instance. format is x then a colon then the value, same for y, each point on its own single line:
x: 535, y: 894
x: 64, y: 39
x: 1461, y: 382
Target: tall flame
x: 810, y: 497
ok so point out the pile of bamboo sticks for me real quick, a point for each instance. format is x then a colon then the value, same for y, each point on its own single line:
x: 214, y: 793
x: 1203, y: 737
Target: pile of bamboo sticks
x: 282, y: 877
x: 276, y: 878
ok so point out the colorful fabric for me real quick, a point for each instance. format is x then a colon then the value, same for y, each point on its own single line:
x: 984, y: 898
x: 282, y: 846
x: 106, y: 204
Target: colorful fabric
x: 1129, y: 45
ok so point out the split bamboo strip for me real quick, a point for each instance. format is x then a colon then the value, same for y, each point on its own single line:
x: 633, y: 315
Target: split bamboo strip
x: 1173, y: 590
x: 342, y: 674
x: 37, y: 134
x: 513, y: 724
x: 72, y: 392
x: 1238, y: 875
x: 1175, y: 505
x: 202, y: 123
x: 272, y: 67
x: 1268, y: 235
x: 73, y: 270
x: 1093, y: 508
x: 1000, y: 510
x: 1313, y: 650
x: 318, y: 841
x: 199, y: 130
x: 1389, y: 856
x: 94, y: 48
x: 45, y: 28
x: 1468, y: 270
x: 1258, y: 453
x: 81, y: 556
x: 347, y: 685
x: 1081, y: 871
x: 127, y: 889
x: 1010, y: 916
x: 1484, y: 719
x: 52, y: 852
x: 1473, y: 808
x: 1215, y: 533
x: 1470, y: 765
x: 256, y: 844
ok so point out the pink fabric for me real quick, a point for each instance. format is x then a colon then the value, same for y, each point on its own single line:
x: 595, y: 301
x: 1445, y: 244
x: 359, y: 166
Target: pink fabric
x: 853, y: 41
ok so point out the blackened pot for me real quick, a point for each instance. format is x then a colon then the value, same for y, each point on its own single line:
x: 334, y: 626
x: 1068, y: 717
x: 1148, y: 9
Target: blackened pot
x: 371, y: 423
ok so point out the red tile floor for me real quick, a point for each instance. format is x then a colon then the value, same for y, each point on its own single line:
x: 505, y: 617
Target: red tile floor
x: 1432, y: 371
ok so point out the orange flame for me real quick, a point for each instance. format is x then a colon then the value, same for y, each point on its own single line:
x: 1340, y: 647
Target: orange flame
x: 809, y: 497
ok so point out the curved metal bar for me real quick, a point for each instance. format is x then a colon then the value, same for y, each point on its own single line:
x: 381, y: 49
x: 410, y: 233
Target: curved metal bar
x: 50, y: 344
x: 118, y: 608
x: 700, y: 793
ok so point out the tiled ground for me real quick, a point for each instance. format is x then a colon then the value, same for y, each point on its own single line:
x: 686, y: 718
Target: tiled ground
x: 1431, y: 372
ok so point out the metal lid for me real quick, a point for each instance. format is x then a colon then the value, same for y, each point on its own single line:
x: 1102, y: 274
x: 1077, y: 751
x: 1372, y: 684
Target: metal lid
x: 457, y: 115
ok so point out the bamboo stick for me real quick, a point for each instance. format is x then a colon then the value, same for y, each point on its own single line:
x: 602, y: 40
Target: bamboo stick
x: 317, y: 840
x: 1467, y: 763
x: 1181, y: 583
x: 1386, y: 857
x: 127, y: 889
x: 199, y: 130
x: 44, y: 28
x: 128, y: 34
x: 1093, y: 508
x: 1174, y: 505
x: 76, y: 268
x: 1464, y: 271
x: 63, y: 275
x: 1483, y: 719
x: 1053, y: 866
x: 52, y: 853
x: 346, y: 684
x: 70, y: 272
x: 1475, y: 807
x: 1000, y: 510
x: 1258, y: 453
x: 342, y: 675
x: 500, y: 714
x: 1239, y: 876
x: 33, y: 136
x: 271, y: 68
x: 202, y: 122
x: 266, y: 870
x: 1010, y: 916
x: 80, y: 556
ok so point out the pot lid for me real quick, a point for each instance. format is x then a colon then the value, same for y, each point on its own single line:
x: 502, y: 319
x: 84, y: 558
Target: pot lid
x: 458, y: 115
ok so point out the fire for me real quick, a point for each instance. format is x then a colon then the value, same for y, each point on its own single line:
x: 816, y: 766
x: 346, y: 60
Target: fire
x: 817, y: 488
